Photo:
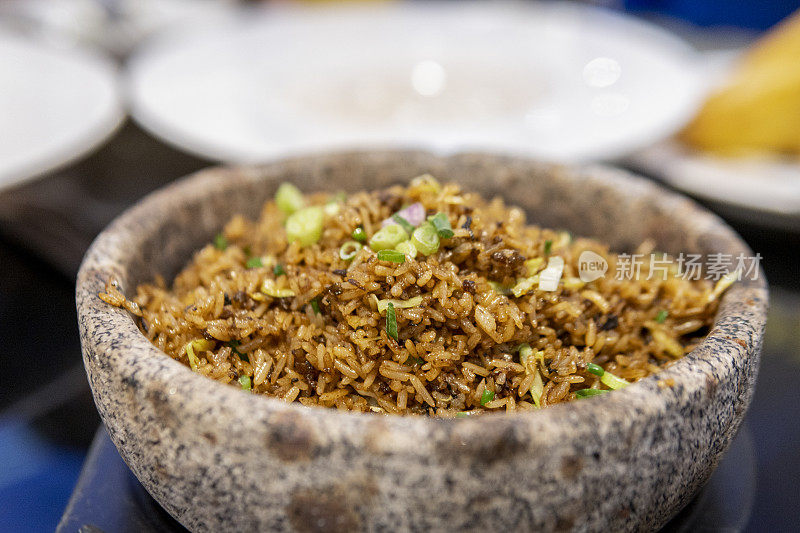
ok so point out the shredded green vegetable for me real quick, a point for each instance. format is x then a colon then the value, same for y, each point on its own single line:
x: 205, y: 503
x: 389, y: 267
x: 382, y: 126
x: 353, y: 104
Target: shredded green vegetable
x: 392, y: 255
x: 383, y: 305
x: 220, y: 242
x: 487, y: 396
x: 548, y: 246
x: 315, y: 306
x: 442, y: 225
x: 270, y: 289
x: 254, y: 262
x: 244, y: 381
x: 200, y: 345
x: 588, y: 393
x: 391, y: 321
x: 278, y: 270
x: 662, y: 316
x: 525, y: 351
x: 613, y: 382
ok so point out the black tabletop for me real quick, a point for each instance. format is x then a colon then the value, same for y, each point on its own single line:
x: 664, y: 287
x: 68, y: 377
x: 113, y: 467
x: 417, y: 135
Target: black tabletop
x: 47, y: 419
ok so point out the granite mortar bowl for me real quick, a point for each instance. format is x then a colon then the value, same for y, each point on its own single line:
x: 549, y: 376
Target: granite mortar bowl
x: 220, y: 459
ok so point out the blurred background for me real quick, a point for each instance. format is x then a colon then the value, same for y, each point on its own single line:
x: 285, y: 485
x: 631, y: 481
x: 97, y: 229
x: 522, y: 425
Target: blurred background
x: 103, y: 101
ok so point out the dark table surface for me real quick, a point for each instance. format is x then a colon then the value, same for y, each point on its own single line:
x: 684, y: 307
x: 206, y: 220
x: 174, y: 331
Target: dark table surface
x: 48, y: 421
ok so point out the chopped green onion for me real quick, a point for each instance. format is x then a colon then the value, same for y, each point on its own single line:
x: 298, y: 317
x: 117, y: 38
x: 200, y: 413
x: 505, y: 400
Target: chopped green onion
x: 462, y: 414
x: 305, y: 226
x: 333, y: 205
x: 359, y: 234
x: 278, y: 270
x: 524, y: 286
x: 315, y: 306
x: 442, y: 225
x: 487, y: 396
x: 388, y: 237
x: 662, y: 316
x: 254, y: 262
x: 407, y: 248
x: 234, y: 344
x: 613, y: 382
x: 426, y: 239
x: 426, y: 183
x: 597, y: 370
x: 349, y: 250
x: 548, y: 245
x: 533, y: 265
x: 588, y: 393
x: 500, y: 288
x: 391, y: 321
x: 201, y: 345
x: 383, y: 305
x: 220, y: 242
x: 269, y: 288
x: 392, y: 255
x: 525, y: 351
x: 403, y: 222
x: 244, y: 381
x: 537, y: 389
x: 289, y: 198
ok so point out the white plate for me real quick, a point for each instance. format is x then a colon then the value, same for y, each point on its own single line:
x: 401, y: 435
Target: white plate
x: 558, y: 81
x: 56, y: 104
x: 763, y: 190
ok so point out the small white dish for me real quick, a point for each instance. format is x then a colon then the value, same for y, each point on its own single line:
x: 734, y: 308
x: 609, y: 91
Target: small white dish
x: 557, y: 81
x: 56, y: 104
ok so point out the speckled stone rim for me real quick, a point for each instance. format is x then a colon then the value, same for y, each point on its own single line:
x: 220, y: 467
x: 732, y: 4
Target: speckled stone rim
x: 712, y: 385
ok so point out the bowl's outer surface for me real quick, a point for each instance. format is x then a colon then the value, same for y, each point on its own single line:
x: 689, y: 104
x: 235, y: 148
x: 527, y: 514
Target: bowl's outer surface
x: 218, y: 459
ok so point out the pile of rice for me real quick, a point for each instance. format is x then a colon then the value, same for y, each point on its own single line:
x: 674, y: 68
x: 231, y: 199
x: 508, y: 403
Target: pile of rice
x: 300, y: 323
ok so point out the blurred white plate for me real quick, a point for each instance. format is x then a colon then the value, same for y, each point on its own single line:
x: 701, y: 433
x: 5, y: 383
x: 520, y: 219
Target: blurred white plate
x: 558, y: 81
x: 56, y: 104
x: 764, y: 190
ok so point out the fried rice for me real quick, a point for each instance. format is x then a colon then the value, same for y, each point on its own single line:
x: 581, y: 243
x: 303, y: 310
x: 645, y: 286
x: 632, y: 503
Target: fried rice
x: 299, y: 305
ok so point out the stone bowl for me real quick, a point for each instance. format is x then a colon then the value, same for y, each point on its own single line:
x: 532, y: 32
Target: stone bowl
x: 219, y: 459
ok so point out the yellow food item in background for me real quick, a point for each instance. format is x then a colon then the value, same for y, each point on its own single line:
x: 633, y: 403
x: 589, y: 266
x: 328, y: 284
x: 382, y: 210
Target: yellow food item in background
x: 758, y: 110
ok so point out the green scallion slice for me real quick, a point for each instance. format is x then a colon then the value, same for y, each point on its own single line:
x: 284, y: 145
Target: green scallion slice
x: 315, y: 306
x: 278, y: 270
x: 305, y: 225
x: 359, y: 234
x: 597, y: 370
x: 404, y: 223
x: 548, y: 246
x: 391, y: 321
x: 442, y: 225
x: 388, y: 237
x: 426, y: 239
x: 349, y: 250
x: 662, y: 316
x: 588, y: 393
x: 525, y: 351
x: 289, y: 198
x: 392, y: 255
x: 220, y: 242
x: 234, y: 344
x: 613, y: 382
x: 383, y: 305
x: 254, y: 262
x: 244, y: 381
x: 487, y: 396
